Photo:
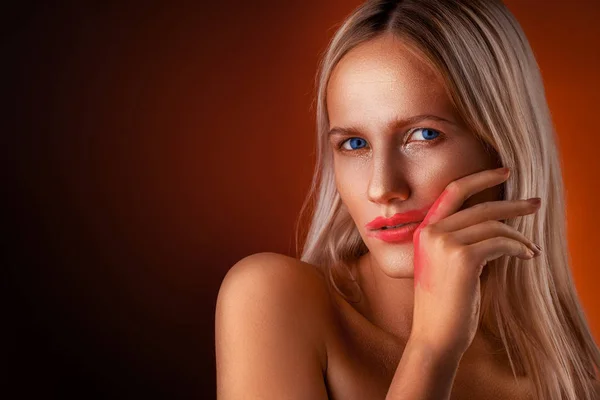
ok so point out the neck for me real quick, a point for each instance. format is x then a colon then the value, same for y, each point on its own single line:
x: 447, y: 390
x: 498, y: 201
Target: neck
x: 388, y: 302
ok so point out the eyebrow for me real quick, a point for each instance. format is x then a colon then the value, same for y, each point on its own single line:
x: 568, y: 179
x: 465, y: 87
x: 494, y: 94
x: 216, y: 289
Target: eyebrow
x: 395, y: 124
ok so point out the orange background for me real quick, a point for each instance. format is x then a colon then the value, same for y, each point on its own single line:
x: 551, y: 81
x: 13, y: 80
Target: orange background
x: 152, y: 147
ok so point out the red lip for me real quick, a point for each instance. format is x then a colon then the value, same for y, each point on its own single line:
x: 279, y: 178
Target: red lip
x: 399, y: 218
x: 395, y: 235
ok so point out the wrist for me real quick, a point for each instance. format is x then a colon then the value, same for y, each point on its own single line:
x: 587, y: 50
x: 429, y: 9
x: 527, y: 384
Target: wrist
x: 424, y: 372
x: 434, y: 353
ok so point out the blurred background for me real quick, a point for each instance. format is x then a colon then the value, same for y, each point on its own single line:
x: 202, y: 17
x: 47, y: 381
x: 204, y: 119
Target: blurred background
x: 148, y: 146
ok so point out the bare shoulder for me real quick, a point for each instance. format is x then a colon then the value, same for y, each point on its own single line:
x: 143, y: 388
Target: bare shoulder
x: 270, y: 329
x: 279, y: 281
x: 274, y: 268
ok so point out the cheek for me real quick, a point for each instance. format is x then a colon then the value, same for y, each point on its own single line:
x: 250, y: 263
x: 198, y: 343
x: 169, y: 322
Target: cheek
x: 452, y: 162
x: 431, y: 178
x: 351, y: 182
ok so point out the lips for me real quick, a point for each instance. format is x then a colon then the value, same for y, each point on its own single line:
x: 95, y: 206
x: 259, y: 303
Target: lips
x: 395, y: 226
x: 397, y: 219
x: 395, y: 235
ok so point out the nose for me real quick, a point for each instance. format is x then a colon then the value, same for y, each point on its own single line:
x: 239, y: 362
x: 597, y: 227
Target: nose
x: 387, y: 182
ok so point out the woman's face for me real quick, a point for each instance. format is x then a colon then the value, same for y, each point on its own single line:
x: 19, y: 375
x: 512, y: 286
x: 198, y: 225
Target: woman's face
x: 385, y: 166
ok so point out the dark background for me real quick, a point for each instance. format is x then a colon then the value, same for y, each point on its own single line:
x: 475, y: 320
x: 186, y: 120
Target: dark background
x: 148, y: 146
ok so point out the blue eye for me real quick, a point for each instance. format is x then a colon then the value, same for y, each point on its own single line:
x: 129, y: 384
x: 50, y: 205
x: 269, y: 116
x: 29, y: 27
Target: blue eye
x: 354, y: 140
x: 428, y: 133
x: 356, y: 143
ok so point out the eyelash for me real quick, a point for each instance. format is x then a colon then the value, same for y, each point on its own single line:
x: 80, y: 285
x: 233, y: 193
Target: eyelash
x: 340, y: 143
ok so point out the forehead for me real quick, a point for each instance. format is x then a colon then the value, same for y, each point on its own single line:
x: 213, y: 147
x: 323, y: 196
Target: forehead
x: 384, y: 79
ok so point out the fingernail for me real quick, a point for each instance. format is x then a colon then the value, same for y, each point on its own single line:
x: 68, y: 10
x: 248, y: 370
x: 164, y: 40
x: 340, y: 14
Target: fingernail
x: 503, y: 171
x: 535, y: 249
x: 530, y: 253
x: 536, y: 201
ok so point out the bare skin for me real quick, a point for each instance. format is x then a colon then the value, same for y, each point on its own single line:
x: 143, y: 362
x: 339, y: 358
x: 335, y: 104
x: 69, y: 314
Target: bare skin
x: 283, y: 332
x: 398, y: 167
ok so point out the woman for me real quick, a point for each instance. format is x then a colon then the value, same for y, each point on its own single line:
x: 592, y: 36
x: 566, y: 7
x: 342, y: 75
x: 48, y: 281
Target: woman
x: 421, y: 276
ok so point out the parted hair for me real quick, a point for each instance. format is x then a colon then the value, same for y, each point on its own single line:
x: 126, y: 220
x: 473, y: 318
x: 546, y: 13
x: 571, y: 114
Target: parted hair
x: 494, y: 82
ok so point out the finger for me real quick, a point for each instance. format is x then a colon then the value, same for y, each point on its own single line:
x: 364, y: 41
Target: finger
x: 458, y: 191
x: 489, y: 229
x: 490, y: 249
x: 489, y: 210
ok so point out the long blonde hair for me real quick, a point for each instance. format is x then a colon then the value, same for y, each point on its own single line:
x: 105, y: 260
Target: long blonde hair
x: 494, y: 82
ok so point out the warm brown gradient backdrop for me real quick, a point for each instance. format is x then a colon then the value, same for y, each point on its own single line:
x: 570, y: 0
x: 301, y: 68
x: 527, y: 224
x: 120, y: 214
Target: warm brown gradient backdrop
x: 155, y: 146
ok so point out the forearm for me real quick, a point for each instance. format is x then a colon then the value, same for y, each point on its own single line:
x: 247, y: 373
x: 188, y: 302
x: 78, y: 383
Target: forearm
x: 423, y: 374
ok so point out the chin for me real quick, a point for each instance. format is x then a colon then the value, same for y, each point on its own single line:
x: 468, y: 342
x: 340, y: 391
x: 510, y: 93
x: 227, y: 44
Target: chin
x: 396, y: 261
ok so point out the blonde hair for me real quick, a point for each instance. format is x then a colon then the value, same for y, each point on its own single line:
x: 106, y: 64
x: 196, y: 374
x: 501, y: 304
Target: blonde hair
x: 494, y: 82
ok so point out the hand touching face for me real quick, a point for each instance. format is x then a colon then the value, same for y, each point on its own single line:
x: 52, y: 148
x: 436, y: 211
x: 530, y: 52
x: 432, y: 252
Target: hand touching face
x: 397, y: 141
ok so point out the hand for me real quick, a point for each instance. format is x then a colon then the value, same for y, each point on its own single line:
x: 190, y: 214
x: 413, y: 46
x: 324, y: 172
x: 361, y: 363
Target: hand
x: 451, y: 249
